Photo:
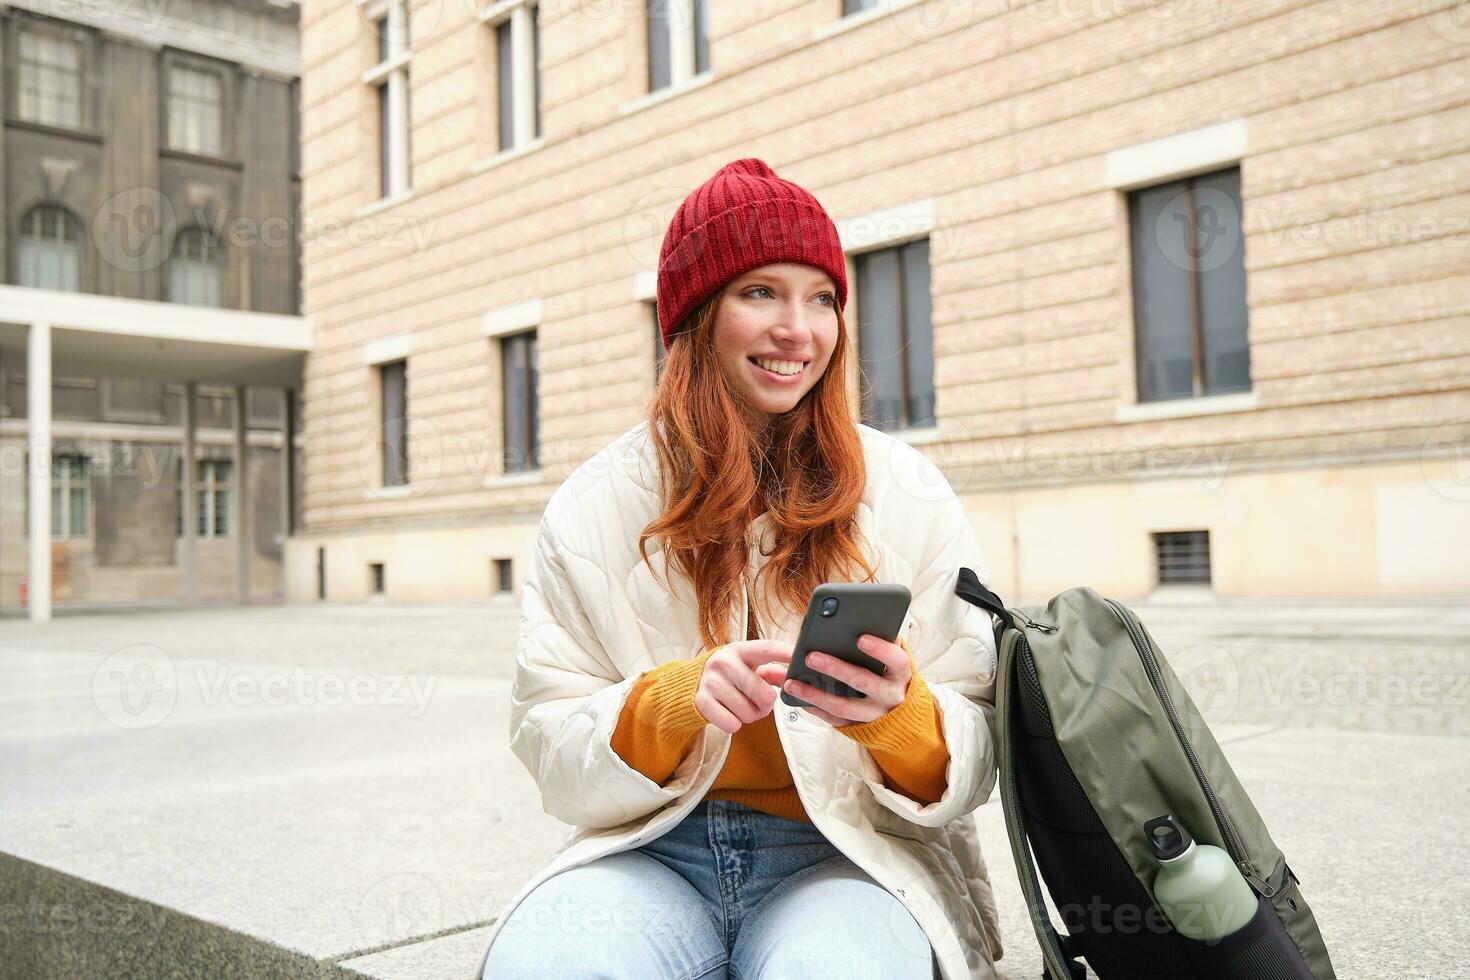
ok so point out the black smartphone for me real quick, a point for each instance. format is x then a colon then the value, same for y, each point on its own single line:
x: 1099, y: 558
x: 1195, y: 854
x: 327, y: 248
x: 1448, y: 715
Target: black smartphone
x: 837, y: 614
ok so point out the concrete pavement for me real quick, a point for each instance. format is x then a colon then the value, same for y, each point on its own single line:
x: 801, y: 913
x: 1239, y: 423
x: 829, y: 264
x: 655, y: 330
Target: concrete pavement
x: 327, y: 791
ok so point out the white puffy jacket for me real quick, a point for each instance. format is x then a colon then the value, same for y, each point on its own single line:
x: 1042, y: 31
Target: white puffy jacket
x: 594, y: 618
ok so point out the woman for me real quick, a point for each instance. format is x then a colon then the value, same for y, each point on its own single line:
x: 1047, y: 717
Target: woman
x: 719, y: 832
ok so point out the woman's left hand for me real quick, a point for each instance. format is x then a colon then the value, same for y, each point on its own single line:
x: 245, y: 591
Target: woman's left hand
x: 884, y: 693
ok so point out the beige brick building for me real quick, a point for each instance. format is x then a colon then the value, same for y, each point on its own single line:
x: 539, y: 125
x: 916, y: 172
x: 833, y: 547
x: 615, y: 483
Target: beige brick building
x: 1181, y: 289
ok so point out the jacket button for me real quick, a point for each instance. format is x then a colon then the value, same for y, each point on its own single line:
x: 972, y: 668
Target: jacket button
x: 791, y: 716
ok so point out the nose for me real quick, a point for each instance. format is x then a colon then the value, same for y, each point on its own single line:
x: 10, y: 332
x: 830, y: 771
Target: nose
x: 795, y: 325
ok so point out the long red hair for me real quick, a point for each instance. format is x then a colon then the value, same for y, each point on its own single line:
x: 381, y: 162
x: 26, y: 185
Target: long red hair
x: 722, y: 462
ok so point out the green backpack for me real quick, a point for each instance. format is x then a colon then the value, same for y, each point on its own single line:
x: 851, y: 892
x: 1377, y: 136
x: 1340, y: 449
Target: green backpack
x: 1097, y: 737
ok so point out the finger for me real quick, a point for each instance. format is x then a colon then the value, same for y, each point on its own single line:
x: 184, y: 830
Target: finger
x: 758, y: 652
x: 771, y: 673
x: 748, y: 683
x: 715, y: 713
x: 849, y: 709
x: 740, y: 705
x: 858, y: 678
x: 890, y: 655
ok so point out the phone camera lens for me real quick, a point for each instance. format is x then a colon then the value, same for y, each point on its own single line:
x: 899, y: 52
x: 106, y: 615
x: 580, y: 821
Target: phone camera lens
x: 829, y: 606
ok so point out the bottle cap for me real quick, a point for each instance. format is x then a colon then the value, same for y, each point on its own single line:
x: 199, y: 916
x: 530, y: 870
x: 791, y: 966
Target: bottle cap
x: 1167, y: 838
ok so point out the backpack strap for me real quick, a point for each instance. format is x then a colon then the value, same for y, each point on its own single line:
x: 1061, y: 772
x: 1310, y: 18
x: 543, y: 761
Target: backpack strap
x: 1057, y: 952
x: 969, y: 588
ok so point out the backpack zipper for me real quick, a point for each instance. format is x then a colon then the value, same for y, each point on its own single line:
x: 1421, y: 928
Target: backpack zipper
x: 1156, y: 678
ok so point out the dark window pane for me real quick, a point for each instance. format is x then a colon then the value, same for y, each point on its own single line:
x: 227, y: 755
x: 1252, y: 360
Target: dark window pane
x: 505, y: 72
x: 918, y: 333
x: 857, y: 6
x: 384, y: 172
x: 381, y: 27
x: 701, y: 36
x: 1182, y: 557
x: 881, y: 380
x: 658, y: 44
x: 532, y: 425
x: 407, y: 131
x: 395, y: 423
x: 515, y: 397
x: 1158, y: 219
x: 536, y: 65
x: 1221, y: 263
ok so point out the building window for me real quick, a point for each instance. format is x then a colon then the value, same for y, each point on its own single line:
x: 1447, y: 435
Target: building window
x: 1182, y: 557
x: 194, y: 268
x: 1189, y: 287
x: 503, y: 575
x: 50, y: 250
x: 132, y: 400
x: 211, y: 496
x: 195, y: 110
x: 393, y: 401
x: 71, y: 496
x: 518, y: 73
x: 895, y: 337
x: 376, y: 578
x: 678, y: 41
x: 49, y: 79
x: 389, y: 78
x: 518, y: 383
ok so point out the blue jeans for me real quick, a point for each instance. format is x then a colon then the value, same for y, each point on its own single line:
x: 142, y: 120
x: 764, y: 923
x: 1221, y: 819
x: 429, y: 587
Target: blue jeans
x: 728, y: 892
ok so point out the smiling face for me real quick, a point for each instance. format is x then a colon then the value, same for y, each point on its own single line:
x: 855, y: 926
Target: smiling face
x: 774, y: 333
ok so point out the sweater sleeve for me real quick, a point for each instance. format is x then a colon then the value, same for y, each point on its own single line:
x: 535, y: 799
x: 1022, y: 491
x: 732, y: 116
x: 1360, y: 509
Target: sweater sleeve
x: 908, y: 742
x: 659, y: 723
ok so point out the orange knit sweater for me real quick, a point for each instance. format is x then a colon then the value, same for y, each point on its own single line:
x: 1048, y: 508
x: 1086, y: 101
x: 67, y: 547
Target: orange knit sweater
x: 659, y: 725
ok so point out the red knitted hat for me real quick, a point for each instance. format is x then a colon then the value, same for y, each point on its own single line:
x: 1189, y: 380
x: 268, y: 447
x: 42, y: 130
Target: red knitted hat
x: 741, y: 218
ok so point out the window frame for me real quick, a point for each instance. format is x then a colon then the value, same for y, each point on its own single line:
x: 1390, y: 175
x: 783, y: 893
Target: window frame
x: 906, y: 422
x: 212, y: 504
x: 521, y: 22
x: 174, y: 99
x: 394, y: 429
x: 65, y: 482
x: 687, y: 29
x: 1198, y: 326
x: 48, y: 32
x: 388, y: 77
x: 530, y: 461
x: 73, y: 234
x: 214, y: 261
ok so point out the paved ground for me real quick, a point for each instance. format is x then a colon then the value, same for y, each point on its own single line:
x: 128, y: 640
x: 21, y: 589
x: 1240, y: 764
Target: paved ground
x: 326, y: 791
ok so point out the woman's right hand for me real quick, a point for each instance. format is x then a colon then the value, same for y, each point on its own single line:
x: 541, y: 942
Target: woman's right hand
x: 732, y: 693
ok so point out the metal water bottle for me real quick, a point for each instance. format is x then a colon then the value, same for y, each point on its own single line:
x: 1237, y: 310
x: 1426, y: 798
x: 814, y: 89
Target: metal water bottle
x: 1198, y: 886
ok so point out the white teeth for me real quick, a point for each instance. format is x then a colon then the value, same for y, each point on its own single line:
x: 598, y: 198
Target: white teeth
x: 780, y: 367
